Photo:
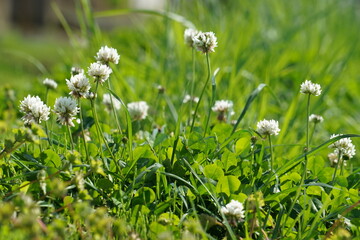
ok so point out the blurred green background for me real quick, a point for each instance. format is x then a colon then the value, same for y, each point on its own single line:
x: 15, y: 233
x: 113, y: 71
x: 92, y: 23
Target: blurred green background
x: 280, y: 43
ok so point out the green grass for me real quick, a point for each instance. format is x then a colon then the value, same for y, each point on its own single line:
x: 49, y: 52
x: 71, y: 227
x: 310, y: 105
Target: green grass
x: 171, y: 184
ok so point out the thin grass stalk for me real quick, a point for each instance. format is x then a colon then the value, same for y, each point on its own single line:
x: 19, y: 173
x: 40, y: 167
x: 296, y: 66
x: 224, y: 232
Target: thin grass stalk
x: 82, y: 131
x: 201, y: 95
x: 192, y: 85
x: 271, y: 155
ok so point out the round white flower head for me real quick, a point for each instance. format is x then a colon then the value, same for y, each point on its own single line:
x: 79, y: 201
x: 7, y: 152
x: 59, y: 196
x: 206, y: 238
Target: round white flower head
x: 138, y: 110
x: 189, y: 34
x: 344, y: 146
x: 34, y: 109
x: 222, y: 106
x: 107, y: 54
x: 308, y: 87
x: 66, y: 108
x: 76, y: 70
x: 315, y: 118
x: 49, y: 83
x: 268, y: 127
x: 79, y: 85
x: 205, y: 42
x: 100, y: 72
x: 188, y: 98
x: 234, y: 209
x: 107, y: 102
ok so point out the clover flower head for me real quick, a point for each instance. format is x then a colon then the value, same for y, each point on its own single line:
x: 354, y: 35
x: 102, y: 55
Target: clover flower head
x: 50, y: 84
x: 189, y: 34
x: 107, y: 98
x: 138, y: 110
x: 344, y: 146
x: 234, y: 209
x: 205, y: 42
x: 107, y: 54
x: 315, y: 118
x: 309, y: 87
x: 76, y: 70
x: 34, y: 109
x: 100, y: 72
x: 79, y: 85
x: 268, y: 127
x: 66, y: 109
x: 222, y: 106
x: 189, y: 98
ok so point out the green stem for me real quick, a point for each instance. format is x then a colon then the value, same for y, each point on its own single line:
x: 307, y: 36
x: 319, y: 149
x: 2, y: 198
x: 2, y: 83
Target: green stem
x: 336, y: 167
x: 200, y: 97
x: 192, y: 82
x: 213, y: 92
x: 70, y: 136
x: 82, y: 131
x: 113, y: 109
x: 271, y: 155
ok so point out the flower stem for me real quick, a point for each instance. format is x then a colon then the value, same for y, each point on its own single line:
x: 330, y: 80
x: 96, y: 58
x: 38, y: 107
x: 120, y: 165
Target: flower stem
x: 213, y: 92
x: 82, y: 131
x: 113, y: 108
x: 46, y: 125
x: 201, y: 95
x: 70, y: 136
x: 336, y: 167
x: 192, y: 82
x: 271, y: 155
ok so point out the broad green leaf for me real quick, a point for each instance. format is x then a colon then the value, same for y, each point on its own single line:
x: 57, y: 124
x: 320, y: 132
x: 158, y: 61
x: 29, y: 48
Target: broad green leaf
x: 241, y: 197
x: 228, y: 160
x: 104, y: 184
x: 168, y: 219
x: 314, y: 190
x: 242, y: 144
x: 213, y: 171
x: 67, y: 200
x: 228, y: 185
x: 144, y: 196
x: 316, y: 164
x: 24, y: 186
x: 325, y: 175
x: 51, y: 158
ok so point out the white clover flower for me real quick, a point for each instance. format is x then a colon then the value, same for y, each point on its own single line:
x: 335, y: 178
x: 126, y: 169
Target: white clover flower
x: 205, y: 42
x: 344, y: 146
x: 308, y: 87
x: 189, y: 98
x: 189, y: 34
x: 49, y: 83
x: 107, y: 102
x: 222, y: 106
x: 138, y: 110
x: 107, y: 54
x: 234, y: 209
x: 100, y: 72
x: 76, y: 70
x: 268, y: 127
x: 315, y: 118
x: 34, y: 109
x: 79, y: 85
x: 66, y: 110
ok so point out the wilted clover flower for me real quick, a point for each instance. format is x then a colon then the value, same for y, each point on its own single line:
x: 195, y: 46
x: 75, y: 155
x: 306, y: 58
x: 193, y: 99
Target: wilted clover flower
x: 268, y: 127
x: 49, y: 83
x: 222, y: 107
x: 79, y: 85
x: 138, y: 110
x: 107, y: 102
x: 189, y: 34
x: 234, y: 211
x: 66, y: 108
x: 76, y: 70
x: 315, y: 118
x: 100, y: 72
x: 107, y: 54
x: 189, y: 98
x: 308, y: 87
x: 205, y: 42
x: 34, y: 109
x: 344, y: 146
